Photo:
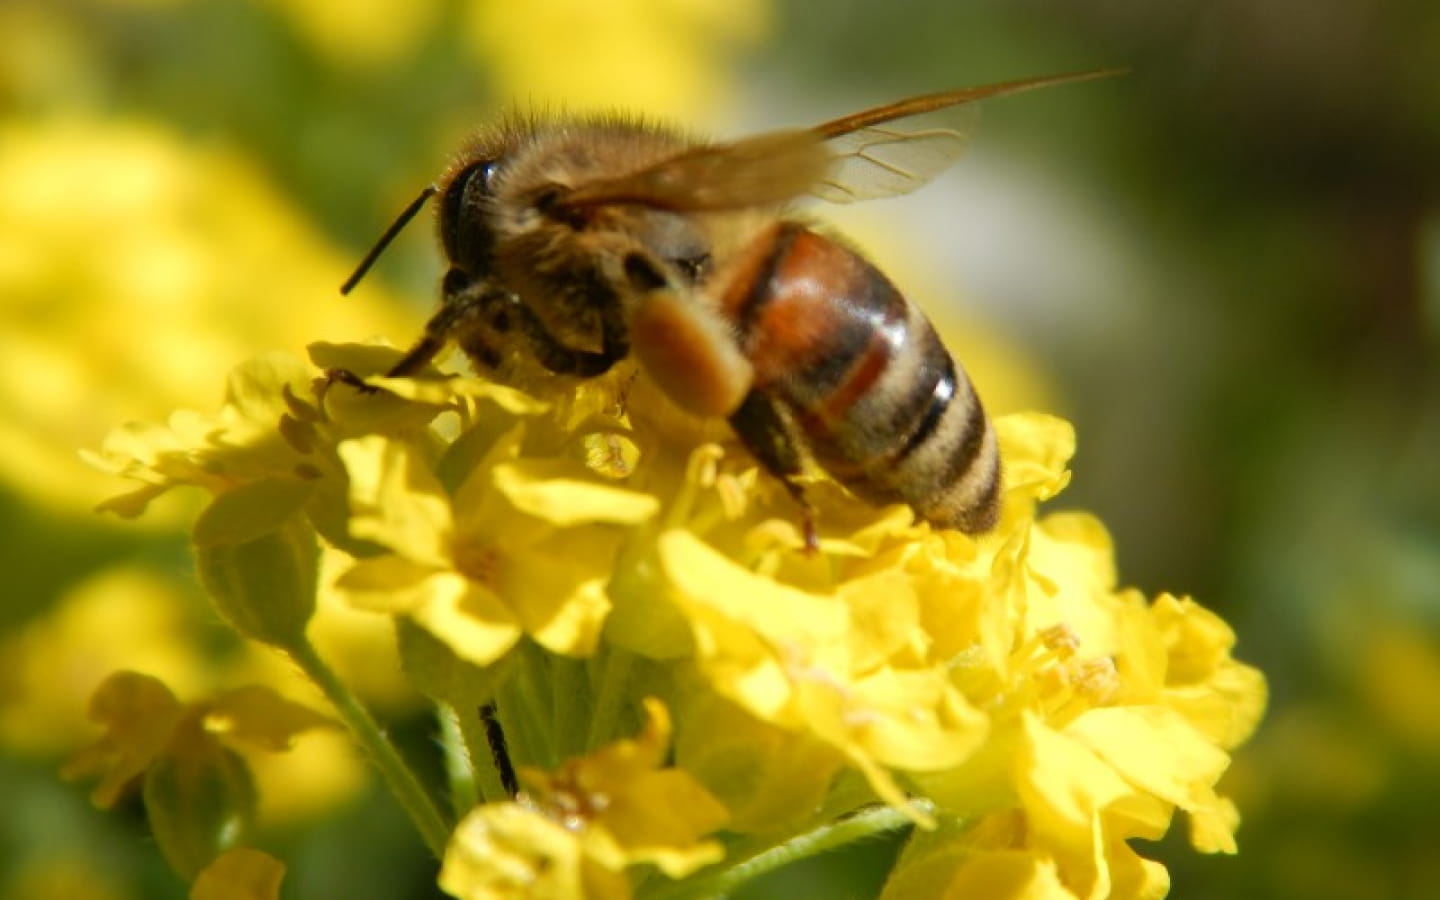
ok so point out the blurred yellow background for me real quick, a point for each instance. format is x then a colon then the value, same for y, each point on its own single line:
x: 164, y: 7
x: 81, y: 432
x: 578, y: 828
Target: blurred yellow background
x: 1224, y: 268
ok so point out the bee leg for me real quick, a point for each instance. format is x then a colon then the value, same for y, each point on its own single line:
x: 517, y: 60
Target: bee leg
x: 417, y: 356
x: 348, y: 378
x: 563, y: 360
x: 499, y: 750
x: 464, y: 299
x: 437, y: 332
x: 766, y: 431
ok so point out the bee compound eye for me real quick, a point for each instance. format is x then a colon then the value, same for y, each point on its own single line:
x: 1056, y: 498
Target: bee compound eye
x: 479, y: 177
x: 463, y: 215
x: 473, y: 183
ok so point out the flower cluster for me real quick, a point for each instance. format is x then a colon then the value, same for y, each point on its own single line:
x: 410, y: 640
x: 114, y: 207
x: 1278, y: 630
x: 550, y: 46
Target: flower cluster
x: 198, y: 789
x: 687, y: 694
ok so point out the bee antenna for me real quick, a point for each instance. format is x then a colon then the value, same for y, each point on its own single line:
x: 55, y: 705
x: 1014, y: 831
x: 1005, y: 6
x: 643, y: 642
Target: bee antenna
x: 385, y: 239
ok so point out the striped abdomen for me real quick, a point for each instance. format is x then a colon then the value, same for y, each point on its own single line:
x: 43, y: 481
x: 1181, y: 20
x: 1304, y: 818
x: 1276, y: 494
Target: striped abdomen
x: 879, y: 401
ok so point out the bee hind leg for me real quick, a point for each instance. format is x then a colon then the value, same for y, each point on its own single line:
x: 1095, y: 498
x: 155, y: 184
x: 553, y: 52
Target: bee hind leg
x: 767, y: 432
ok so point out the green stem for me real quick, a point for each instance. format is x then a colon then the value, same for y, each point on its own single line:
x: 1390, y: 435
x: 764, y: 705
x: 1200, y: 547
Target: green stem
x: 524, y: 703
x: 459, y: 761
x: 613, y: 679
x: 398, y: 776
x: 569, y: 706
x: 767, y: 857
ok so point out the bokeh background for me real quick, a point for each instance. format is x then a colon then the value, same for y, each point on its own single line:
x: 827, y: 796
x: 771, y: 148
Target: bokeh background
x: 1224, y: 268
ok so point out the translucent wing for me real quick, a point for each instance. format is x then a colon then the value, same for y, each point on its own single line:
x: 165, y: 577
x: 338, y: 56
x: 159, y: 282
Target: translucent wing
x: 895, y: 158
x: 880, y: 152
x: 758, y: 171
x: 894, y: 149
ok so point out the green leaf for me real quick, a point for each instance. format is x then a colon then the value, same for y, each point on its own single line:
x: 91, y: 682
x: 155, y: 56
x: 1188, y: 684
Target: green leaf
x: 265, y: 587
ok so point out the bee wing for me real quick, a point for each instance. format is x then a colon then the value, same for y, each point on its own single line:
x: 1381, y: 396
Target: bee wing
x: 894, y: 149
x: 881, y: 152
x: 758, y: 171
x: 896, y: 157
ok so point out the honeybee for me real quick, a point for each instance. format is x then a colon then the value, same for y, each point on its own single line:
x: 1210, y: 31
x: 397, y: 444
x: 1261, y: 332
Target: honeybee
x: 574, y: 243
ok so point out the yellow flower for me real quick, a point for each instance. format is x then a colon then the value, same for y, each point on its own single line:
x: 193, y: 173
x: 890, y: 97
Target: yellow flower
x: 1107, y: 713
x: 369, y: 32
x: 197, y: 789
x: 240, y: 874
x: 522, y: 546
x: 133, y: 296
x: 243, y: 444
x: 770, y: 779
x: 784, y: 655
x: 53, y: 665
x: 656, y: 55
x: 565, y: 559
x: 126, y: 616
x: 574, y: 831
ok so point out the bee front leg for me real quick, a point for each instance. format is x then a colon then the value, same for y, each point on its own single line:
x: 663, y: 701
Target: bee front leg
x: 424, y: 350
x: 765, y: 429
x: 437, y: 332
x: 464, y: 301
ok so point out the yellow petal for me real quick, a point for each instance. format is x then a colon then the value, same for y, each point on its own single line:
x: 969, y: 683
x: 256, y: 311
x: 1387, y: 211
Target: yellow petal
x: 1012, y: 875
x: 468, y: 618
x: 557, y: 590
x: 1155, y: 749
x: 733, y: 612
x: 140, y: 715
x: 961, y: 613
x: 1132, y: 877
x: 397, y: 501
x: 767, y: 608
x: 1063, y: 785
x: 242, y: 443
x: 1071, y: 562
x: 1212, y: 829
x: 660, y: 818
x: 358, y: 359
x: 502, y: 851
x: 394, y: 584
x: 643, y: 812
x: 260, y: 717
x: 1198, y: 640
x: 256, y: 389
x: 769, y: 778
x: 1140, y: 655
x: 445, y: 391
x: 240, y: 874
x: 914, y: 719
x: 566, y: 494
x: 1035, y: 449
x: 1227, y: 707
x: 885, y: 616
